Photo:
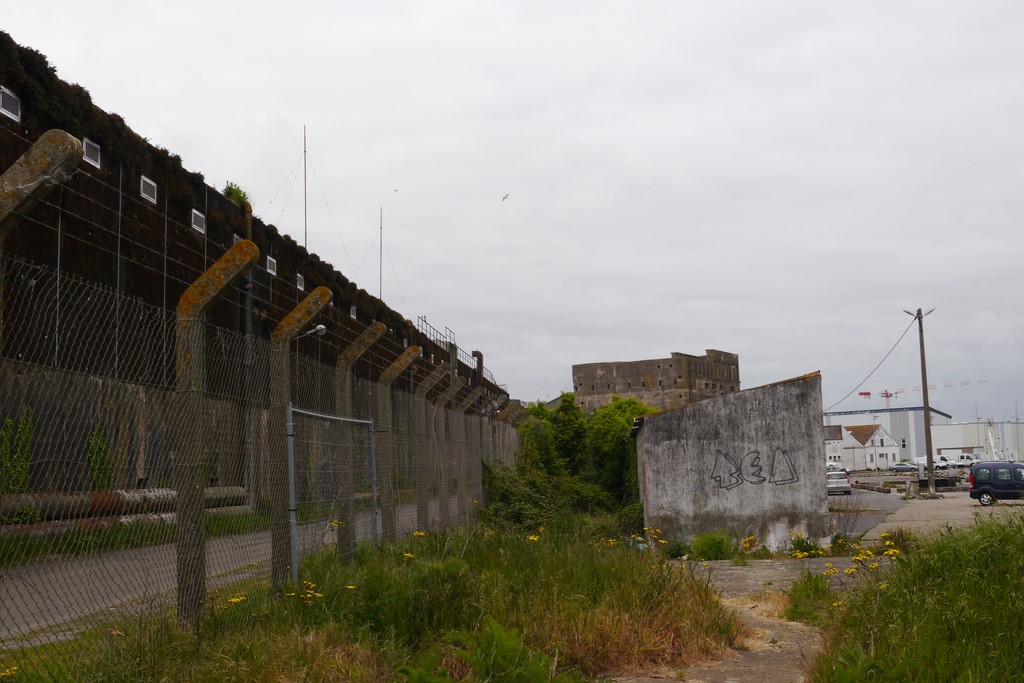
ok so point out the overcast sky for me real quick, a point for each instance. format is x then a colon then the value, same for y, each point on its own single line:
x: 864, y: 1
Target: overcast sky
x: 775, y: 179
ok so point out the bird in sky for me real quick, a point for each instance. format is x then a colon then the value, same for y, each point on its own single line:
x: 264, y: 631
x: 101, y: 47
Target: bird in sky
x: 504, y: 198
x: 396, y: 189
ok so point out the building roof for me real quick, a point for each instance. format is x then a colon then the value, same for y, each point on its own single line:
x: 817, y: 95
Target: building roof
x: 877, y: 411
x: 862, y: 433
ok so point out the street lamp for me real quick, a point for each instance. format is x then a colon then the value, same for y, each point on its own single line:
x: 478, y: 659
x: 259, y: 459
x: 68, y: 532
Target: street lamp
x: 318, y: 331
x: 927, y: 410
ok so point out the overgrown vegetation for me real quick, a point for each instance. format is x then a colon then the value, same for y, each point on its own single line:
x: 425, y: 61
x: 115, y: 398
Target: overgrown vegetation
x: 101, y: 468
x: 597, y: 450
x: 946, y: 607
x: 235, y: 193
x: 563, y: 602
x: 16, y: 454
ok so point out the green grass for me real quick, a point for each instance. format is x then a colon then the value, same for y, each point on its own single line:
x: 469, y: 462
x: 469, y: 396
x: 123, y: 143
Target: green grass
x: 491, y: 604
x: 951, y: 608
x: 18, y: 549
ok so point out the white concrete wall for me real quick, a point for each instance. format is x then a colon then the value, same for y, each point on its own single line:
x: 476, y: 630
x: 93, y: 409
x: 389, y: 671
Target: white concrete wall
x: 744, y: 463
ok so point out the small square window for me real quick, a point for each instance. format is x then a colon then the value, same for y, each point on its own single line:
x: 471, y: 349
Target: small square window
x: 147, y: 188
x: 300, y: 282
x: 90, y: 152
x: 199, y: 221
x: 352, y: 312
x: 10, y: 104
x: 272, y: 265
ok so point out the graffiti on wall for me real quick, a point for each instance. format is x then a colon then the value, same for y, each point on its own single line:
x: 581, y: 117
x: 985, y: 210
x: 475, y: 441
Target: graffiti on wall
x: 753, y: 468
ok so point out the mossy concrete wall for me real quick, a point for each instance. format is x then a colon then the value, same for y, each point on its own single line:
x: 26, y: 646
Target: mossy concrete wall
x: 748, y: 463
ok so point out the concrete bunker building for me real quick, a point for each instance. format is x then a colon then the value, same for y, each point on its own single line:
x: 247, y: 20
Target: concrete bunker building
x: 663, y: 383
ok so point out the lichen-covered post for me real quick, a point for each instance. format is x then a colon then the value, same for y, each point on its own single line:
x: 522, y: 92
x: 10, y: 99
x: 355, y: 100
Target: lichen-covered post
x: 443, y: 461
x: 386, y: 456
x: 343, y: 407
x: 281, y: 394
x: 463, y: 452
x: 424, y: 468
x: 191, y: 430
x: 47, y: 163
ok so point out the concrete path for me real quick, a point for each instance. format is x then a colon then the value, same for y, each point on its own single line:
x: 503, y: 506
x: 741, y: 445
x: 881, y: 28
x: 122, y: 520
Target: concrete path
x: 924, y: 516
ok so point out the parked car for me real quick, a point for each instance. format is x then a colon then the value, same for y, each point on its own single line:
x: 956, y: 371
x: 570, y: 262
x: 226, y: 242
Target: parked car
x: 838, y: 483
x: 903, y: 467
x: 992, y: 481
x: 832, y: 467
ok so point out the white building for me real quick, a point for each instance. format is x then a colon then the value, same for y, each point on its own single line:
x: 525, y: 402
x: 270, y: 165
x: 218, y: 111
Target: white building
x: 904, y: 425
x: 988, y: 439
x: 861, y: 447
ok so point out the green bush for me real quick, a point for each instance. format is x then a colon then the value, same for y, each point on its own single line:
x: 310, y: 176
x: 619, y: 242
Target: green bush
x: 712, y: 547
x: 676, y: 549
x: 530, y: 498
x: 801, y: 546
x: 16, y: 454
x: 630, y: 518
x: 101, y: 469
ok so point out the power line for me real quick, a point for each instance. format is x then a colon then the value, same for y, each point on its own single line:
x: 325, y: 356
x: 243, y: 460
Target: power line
x: 875, y: 368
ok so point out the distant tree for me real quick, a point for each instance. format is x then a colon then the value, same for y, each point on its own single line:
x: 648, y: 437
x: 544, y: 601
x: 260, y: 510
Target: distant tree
x: 569, y: 433
x: 611, y: 447
x: 235, y: 193
x: 537, y: 442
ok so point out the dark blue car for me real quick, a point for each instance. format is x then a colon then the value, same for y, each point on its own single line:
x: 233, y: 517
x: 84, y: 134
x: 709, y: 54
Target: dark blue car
x: 992, y: 481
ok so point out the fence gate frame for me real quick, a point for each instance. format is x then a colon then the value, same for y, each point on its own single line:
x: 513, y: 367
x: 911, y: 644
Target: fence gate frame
x: 293, y: 524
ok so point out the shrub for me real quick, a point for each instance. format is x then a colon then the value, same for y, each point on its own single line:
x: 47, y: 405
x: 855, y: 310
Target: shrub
x: 630, y: 518
x: 16, y: 454
x: 801, y: 546
x: 101, y: 469
x: 712, y: 547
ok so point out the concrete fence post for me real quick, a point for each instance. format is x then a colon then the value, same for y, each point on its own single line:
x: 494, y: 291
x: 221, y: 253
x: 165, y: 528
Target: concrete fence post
x: 47, y: 163
x: 442, y: 437
x: 343, y: 407
x: 191, y: 453
x: 387, y: 446
x: 280, y: 394
x: 462, y: 450
x: 424, y: 466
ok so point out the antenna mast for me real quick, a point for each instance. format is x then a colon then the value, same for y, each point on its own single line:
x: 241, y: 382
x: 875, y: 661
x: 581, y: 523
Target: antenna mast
x: 305, y: 235
x: 380, y: 260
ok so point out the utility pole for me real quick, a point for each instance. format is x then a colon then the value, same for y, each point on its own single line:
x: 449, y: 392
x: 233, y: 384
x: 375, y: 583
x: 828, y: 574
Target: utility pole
x: 927, y: 409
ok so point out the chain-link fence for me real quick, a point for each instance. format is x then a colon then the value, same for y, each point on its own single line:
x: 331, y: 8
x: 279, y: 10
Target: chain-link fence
x: 143, y: 464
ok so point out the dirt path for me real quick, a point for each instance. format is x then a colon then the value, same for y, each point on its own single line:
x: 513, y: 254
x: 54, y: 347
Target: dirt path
x: 775, y: 649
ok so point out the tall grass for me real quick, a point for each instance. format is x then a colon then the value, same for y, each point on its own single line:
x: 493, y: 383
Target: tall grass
x: 565, y: 599
x: 951, y: 609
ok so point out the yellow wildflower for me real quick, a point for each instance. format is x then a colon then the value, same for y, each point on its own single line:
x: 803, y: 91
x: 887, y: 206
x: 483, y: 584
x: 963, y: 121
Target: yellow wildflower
x: 533, y: 537
x: 408, y: 556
